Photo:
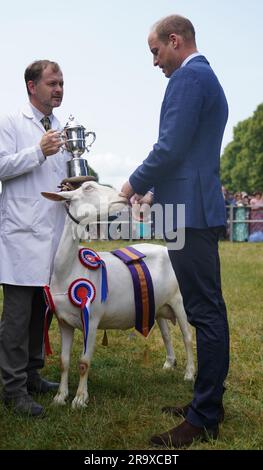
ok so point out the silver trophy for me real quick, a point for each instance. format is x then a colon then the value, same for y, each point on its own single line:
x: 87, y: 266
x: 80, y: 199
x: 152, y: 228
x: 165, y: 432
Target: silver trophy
x: 76, y: 141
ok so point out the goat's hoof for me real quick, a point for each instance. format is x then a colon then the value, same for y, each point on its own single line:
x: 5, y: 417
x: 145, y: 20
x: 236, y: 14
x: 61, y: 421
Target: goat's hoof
x: 60, y: 399
x: 189, y: 376
x: 79, y: 402
x: 170, y: 364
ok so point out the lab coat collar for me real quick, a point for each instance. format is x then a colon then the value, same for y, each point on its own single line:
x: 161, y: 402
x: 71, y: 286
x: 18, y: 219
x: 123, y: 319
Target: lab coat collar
x: 28, y: 113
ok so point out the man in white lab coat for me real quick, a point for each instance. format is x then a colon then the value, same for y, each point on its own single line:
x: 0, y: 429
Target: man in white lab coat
x: 31, y: 161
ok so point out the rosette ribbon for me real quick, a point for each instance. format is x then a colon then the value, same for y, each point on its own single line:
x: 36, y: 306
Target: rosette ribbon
x: 81, y: 293
x: 90, y: 259
x: 49, y: 311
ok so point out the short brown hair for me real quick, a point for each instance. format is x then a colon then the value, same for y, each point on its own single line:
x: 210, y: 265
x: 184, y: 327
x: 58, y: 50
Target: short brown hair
x: 174, y: 24
x: 34, y: 71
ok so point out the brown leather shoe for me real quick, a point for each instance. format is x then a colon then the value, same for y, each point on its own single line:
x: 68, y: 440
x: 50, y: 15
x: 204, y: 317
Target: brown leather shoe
x: 181, y: 411
x: 184, y: 435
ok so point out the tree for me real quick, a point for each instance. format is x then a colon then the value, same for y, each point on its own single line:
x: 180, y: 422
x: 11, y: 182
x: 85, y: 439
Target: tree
x: 242, y: 160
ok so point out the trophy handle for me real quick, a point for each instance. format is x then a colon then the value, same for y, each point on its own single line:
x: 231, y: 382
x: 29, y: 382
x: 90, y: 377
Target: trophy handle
x: 63, y: 139
x: 93, y: 140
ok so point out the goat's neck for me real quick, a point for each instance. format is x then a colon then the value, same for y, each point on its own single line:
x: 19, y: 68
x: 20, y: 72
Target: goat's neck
x: 67, y: 249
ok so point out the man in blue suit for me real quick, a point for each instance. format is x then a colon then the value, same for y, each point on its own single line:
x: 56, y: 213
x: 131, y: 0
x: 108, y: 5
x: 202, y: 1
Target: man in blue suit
x: 183, y: 168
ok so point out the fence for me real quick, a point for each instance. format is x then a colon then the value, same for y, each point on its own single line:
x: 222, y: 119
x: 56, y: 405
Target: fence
x: 233, y: 219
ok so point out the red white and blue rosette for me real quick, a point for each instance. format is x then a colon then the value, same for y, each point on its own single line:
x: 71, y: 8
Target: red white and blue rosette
x: 91, y: 259
x: 81, y: 293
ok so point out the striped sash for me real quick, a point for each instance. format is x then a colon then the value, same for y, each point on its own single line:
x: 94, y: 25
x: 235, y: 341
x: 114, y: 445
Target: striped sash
x: 143, y: 288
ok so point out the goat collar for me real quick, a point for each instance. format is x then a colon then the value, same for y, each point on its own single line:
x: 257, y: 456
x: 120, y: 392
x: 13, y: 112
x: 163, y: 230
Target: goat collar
x: 110, y: 217
x: 71, y: 216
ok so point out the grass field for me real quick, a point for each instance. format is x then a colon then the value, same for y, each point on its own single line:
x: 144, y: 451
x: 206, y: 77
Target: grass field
x: 128, y: 387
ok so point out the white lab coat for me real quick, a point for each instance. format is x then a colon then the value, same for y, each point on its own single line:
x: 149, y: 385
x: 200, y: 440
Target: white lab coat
x: 30, y: 225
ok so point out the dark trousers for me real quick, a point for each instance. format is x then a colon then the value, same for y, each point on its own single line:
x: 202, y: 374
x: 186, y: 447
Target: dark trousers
x: 21, y: 337
x: 197, y: 268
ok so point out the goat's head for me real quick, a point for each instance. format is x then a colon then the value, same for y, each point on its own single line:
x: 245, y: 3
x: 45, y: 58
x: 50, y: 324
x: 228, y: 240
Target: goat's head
x: 91, y: 201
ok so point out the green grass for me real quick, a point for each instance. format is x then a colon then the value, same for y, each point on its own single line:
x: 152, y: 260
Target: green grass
x: 128, y: 387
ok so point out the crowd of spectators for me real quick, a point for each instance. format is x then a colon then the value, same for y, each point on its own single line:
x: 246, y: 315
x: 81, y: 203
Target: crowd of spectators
x: 244, y: 215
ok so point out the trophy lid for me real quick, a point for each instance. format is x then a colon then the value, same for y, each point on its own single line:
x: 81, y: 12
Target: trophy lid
x: 73, y: 123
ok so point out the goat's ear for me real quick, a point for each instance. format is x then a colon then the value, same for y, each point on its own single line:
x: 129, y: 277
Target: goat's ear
x: 62, y: 196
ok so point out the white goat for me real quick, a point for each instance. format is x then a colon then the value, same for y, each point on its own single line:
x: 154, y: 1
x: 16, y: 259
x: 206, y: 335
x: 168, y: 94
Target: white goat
x: 118, y: 312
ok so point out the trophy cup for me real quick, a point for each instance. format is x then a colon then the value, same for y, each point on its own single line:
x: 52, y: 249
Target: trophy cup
x: 74, y: 136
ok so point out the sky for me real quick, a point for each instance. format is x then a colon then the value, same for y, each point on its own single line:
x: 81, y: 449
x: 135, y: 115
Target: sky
x: 111, y: 86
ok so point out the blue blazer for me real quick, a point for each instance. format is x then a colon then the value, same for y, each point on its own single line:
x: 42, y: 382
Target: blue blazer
x: 184, y: 165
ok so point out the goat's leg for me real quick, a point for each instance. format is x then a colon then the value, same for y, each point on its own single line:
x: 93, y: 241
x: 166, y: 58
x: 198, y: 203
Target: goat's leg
x: 67, y: 333
x: 177, y: 305
x: 170, y: 362
x: 82, y: 397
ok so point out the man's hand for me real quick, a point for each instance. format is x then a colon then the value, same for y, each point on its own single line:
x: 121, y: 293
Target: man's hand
x: 127, y: 190
x: 66, y: 187
x: 142, y: 199
x: 50, y: 143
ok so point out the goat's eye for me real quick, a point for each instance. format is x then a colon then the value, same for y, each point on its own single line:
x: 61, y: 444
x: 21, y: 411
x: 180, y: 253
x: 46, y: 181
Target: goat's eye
x: 88, y: 187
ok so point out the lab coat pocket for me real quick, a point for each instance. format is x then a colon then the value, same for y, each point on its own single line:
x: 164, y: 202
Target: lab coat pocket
x: 21, y: 215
